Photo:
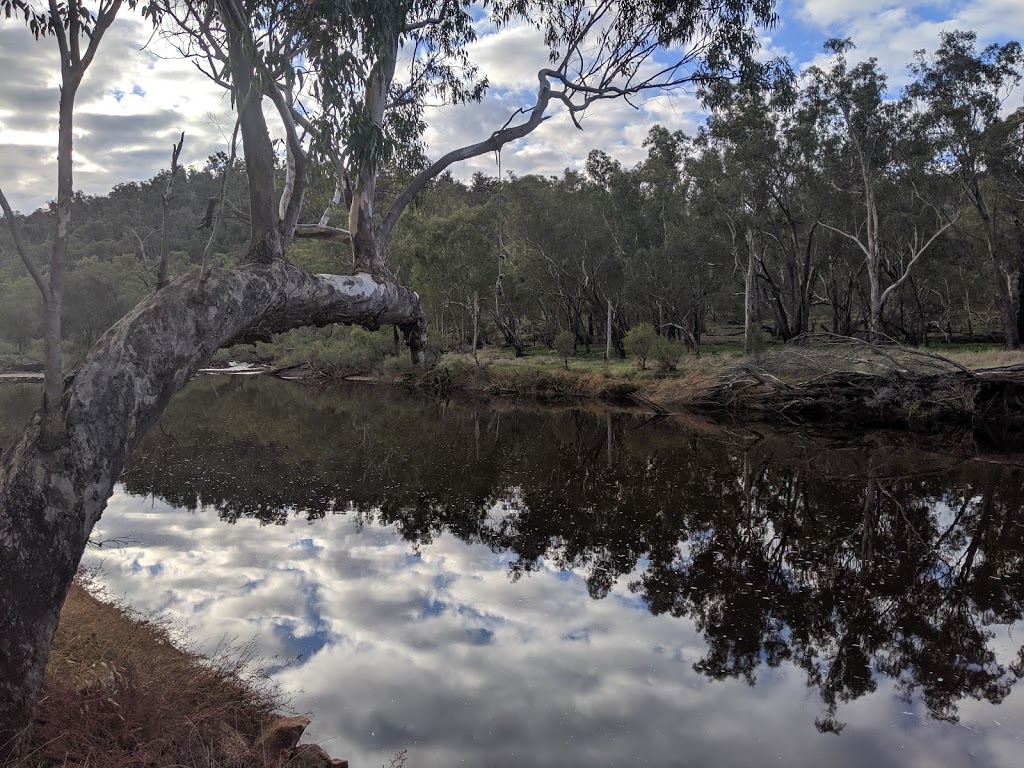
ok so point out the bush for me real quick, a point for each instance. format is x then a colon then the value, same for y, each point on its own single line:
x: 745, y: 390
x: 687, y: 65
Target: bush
x: 565, y: 345
x: 640, y: 341
x: 398, y: 366
x: 667, y: 353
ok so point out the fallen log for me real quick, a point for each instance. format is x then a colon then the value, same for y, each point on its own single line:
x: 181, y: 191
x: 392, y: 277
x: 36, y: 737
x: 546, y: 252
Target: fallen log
x: 991, y: 406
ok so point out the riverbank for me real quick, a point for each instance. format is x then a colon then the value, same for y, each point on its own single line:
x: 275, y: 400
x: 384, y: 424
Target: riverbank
x: 828, y: 382
x: 843, y: 383
x: 120, y: 690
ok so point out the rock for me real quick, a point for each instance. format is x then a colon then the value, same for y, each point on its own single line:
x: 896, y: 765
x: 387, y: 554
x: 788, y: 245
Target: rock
x: 279, y: 737
x: 308, y: 756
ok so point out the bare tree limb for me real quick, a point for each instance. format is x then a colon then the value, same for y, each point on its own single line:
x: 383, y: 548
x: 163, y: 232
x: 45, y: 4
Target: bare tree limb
x: 165, y: 199
x: 223, y: 195
x: 19, y: 246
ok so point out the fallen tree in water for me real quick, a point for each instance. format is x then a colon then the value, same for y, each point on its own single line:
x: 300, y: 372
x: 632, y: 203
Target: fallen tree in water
x: 854, y: 384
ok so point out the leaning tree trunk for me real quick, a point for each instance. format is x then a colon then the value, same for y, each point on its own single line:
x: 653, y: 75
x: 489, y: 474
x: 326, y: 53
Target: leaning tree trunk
x: 51, y: 495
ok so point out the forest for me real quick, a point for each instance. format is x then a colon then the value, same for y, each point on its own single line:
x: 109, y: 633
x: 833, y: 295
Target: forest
x: 827, y: 204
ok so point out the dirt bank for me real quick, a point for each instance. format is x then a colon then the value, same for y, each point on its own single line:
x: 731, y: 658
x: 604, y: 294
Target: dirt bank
x: 850, y: 385
x: 119, y: 692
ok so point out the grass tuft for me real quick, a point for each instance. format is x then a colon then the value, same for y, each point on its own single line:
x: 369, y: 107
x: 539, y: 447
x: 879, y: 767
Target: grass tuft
x: 119, y: 693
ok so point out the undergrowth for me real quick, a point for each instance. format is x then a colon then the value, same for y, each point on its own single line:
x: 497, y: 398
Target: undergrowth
x: 119, y: 694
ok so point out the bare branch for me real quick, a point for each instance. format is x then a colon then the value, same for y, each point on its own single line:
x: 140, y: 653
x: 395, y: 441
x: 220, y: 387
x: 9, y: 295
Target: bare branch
x: 497, y: 140
x: 413, y: 26
x: 846, y: 234
x: 165, y: 199
x: 30, y: 265
x: 919, y: 252
x: 322, y: 232
x: 223, y: 195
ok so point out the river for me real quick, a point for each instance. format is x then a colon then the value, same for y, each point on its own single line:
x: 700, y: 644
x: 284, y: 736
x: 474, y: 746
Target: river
x: 501, y: 584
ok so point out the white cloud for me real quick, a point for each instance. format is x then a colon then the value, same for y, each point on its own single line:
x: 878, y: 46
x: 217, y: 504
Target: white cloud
x: 151, y: 95
x: 891, y: 32
x: 828, y: 13
x: 118, y: 138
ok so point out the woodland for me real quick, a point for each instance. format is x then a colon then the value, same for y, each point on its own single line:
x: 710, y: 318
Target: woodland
x: 827, y: 204
x: 892, y: 216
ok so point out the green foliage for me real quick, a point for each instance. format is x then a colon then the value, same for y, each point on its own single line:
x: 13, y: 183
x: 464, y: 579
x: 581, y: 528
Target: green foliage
x: 565, y: 345
x: 98, y: 293
x: 344, y: 350
x: 667, y: 353
x: 640, y: 343
x: 20, y: 312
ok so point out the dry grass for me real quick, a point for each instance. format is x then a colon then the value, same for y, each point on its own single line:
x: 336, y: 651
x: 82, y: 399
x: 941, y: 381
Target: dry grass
x: 986, y: 358
x: 835, y: 355
x: 118, y: 693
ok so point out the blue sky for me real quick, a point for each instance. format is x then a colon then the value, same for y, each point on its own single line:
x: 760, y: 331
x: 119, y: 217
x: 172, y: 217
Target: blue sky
x: 135, y: 102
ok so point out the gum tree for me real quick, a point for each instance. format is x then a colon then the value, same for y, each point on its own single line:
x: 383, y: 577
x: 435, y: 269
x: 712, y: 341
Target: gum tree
x: 326, y: 73
x: 962, y: 91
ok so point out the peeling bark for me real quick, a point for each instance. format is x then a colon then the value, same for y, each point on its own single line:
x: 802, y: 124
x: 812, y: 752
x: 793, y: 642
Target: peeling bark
x: 52, y: 495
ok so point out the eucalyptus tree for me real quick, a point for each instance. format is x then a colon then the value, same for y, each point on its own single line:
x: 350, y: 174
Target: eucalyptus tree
x: 730, y: 171
x: 618, y: 201
x: 554, y: 247
x: 770, y: 143
x: 56, y: 479
x: 961, y: 92
x: 868, y: 139
x: 672, y: 269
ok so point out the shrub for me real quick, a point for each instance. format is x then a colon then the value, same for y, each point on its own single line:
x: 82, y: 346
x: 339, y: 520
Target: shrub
x: 565, y: 345
x: 640, y: 341
x: 667, y: 353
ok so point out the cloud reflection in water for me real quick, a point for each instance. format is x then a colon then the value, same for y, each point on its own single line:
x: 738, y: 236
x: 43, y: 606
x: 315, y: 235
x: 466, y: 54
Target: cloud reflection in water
x: 562, y: 679
x: 451, y: 610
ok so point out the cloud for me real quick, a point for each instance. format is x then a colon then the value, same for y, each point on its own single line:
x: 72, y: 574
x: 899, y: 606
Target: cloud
x: 891, y: 32
x: 136, y: 98
x: 131, y: 105
x: 827, y: 14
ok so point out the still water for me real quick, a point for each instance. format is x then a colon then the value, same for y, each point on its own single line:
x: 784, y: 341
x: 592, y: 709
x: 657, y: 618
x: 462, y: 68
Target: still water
x: 514, y: 586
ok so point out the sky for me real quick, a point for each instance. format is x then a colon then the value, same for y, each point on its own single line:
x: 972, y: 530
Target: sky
x: 137, y: 98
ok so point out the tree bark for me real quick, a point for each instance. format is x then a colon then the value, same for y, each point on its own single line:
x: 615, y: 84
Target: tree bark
x: 368, y: 250
x: 265, y: 243
x: 752, y: 339
x: 608, y: 333
x: 1018, y: 225
x: 51, y: 496
x: 54, y: 298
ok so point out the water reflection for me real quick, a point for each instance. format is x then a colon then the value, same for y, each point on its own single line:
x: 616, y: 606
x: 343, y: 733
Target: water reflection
x: 853, y: 560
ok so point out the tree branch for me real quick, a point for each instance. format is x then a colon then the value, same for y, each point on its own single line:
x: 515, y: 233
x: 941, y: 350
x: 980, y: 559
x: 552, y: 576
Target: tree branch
x: 417, y: 25
x: 19, y: 246
x: 165, y: 199
x: 497, y: 140
x: 322, y: 232
x: 846, y: 234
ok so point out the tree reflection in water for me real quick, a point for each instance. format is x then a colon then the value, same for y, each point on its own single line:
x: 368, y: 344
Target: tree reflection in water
x: 851, y: 557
